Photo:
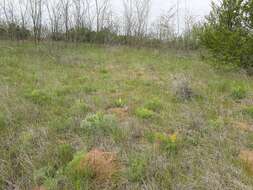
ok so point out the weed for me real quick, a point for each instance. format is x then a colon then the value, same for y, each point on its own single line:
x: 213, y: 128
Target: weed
x: 98, y: 124
x: 144, y: 113
x: 119, y: 103
x: 65, y: 154
x: 154, y: 104
x: 239, y: 92
x: 137, y: 167
x: 80, y: 107
x: 167, y: 143
x: 248, y: 111
x: 40, y: 97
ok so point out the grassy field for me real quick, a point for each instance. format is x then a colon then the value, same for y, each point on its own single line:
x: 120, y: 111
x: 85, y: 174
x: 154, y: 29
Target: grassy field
x: 98, y: 117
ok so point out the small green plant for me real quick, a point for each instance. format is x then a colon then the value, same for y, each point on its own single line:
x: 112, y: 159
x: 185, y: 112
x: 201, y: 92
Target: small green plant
x: 239, y: 92
x: 154, y: 105
x: 39, y: 97
x: 119, y: 103
x: 144, y: 113
x: 137, y: 168
x: 248, y: 111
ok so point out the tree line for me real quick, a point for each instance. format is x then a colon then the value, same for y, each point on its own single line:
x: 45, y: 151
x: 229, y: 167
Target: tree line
x: 88, y: 21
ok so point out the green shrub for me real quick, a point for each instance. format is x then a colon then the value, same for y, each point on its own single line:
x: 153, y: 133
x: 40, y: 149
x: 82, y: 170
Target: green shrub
x: 239, y: 92
x: 229, y: 38
x: 144, y: 113
x: 39, y: 97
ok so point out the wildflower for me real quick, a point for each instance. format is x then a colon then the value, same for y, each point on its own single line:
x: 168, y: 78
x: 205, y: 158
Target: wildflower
x: 173, y: 138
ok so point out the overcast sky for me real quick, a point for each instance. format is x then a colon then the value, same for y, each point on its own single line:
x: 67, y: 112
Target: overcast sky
x: 198, y: 8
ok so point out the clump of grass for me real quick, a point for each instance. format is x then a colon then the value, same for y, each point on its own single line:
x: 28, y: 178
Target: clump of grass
x: 239, y: 92
x: 248, y: 111
x: 144, y: 113
x: 137, y: 167
x: 40, y: 97
x: 80, y: 107
x: 76, y: 171
x: 64, y: 154
x: 98, y: 124
x: 154, y: 104
x: 2, y: 121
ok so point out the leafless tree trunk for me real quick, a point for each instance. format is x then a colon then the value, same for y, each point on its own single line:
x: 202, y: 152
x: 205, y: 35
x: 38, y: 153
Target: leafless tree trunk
x: 23, y: 10
x: 101, y: 9
x: 9, y: 11
x: 53, y: 8
x: 142, y: 15
x: 36, y: 16
x: 65, y: 6
x: 128, y: 16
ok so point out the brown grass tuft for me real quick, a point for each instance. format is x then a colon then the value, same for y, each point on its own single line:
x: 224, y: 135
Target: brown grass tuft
x: 247, y: 157
x: 104, y: 165
x: 121, y: 113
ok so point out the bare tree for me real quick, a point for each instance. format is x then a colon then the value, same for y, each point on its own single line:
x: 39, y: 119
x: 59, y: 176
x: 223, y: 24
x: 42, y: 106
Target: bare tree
x: 142, y: 14
x: 128, y: 17
x: 23, y: 11
x: 101, y: 12
x: 9, y: 11
x: 54, y: 14
x: 36, y: 16
x: 164, y: 28
x: 65, y: 7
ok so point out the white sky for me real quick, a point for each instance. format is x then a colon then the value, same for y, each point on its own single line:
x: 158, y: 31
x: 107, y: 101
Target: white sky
x: 198, y: 8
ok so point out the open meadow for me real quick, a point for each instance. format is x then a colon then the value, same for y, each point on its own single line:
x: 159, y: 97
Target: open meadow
x: 83, y: 116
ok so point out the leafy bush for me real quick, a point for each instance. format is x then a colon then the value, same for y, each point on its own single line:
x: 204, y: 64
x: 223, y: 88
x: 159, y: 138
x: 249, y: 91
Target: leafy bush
x: 144, y: 113
x: 230, y: 38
